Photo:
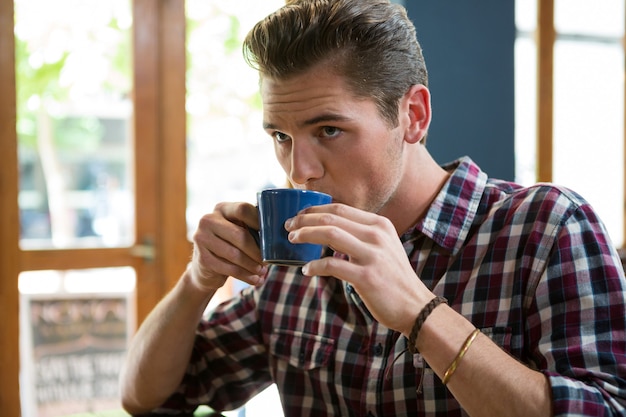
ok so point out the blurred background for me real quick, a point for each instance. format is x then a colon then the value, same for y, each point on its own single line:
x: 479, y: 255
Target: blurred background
x: 123, y: 122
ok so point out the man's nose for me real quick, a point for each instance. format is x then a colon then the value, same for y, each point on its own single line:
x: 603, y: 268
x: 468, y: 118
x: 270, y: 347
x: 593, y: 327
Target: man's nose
x: 305, y: 163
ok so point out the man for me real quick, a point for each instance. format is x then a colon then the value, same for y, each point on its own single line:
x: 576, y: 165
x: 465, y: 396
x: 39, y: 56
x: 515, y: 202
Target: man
x: 443, y: 292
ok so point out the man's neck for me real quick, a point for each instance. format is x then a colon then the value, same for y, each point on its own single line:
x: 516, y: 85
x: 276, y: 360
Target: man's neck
x: 421, y: 183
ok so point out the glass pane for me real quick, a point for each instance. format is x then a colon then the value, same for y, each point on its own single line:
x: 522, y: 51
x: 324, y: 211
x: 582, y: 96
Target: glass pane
x: 74, y: 331
x: 526, y: 15
x: 589, y: 126
x: 229, y: 155
x: 600, y: 18
x: 74, y: 131
x: 525, y: 110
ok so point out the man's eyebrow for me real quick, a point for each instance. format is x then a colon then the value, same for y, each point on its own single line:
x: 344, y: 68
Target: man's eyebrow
x: 322, y: 118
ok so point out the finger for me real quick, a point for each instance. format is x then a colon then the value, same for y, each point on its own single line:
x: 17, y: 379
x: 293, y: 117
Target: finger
x: 212, y: 270
x: 343, y: 211
x: 240, y: 218
x: 344, y: 235
x: 333, y: 266
x: 338, y: 239
x: 219, y: 242
x: 222, y: 255
x: 355, y: 221
x: 215, y: 276
x: 243, y: 214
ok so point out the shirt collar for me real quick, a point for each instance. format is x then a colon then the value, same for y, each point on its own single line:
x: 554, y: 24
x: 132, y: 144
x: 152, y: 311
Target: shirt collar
x: 448, y: 219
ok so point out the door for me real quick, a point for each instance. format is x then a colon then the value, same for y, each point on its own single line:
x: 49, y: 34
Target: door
x: 156, y: 247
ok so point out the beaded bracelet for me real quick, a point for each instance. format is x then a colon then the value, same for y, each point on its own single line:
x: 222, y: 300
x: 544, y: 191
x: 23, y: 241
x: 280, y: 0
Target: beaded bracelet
x: 419, y: 321
x: 455, y: 363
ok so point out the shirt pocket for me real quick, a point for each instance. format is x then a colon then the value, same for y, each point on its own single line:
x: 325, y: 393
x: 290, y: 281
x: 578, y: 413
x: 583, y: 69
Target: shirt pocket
x: 301, y: 350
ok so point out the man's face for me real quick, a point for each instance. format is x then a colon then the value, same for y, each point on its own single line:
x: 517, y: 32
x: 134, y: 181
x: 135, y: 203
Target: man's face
x: 328, y: 140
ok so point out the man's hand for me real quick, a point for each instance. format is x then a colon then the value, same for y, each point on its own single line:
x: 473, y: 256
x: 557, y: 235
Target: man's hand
x: 377, y: 265
x: 224, y: 247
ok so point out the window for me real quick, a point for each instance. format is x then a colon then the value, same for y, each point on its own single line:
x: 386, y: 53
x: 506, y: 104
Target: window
x: 229, y: 155
x: 587, y: 138
x: 74, y: 123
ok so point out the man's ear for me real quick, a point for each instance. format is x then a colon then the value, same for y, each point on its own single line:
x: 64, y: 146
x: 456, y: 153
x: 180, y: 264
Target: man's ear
x: 416, y: 105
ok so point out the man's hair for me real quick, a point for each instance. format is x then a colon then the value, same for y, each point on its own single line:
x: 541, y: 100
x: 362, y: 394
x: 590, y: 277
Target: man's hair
x: 371, y: 43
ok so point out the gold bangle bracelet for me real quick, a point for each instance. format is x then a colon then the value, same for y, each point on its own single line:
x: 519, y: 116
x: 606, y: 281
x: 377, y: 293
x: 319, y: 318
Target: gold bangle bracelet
x: 455, y: 363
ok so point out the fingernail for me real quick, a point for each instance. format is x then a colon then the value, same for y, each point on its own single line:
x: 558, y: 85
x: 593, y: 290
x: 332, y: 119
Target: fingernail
x: 305, y: 269
x: 288, y: 223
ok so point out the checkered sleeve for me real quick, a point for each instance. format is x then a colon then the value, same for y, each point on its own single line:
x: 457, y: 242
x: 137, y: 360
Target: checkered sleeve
x: 228, y: 364
x: 581, y: 309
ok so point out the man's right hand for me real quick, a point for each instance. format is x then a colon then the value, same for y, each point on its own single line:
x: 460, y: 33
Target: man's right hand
x: 223, y: 247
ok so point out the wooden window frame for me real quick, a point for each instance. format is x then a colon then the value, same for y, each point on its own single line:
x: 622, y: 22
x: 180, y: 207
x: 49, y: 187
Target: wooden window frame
x: 9, y: 231
x: 545, y: 38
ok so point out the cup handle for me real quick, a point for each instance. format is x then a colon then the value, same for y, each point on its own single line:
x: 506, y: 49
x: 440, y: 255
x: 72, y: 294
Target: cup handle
x: 256, y: 234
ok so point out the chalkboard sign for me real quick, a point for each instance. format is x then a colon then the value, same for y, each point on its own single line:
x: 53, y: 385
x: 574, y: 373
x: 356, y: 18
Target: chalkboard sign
x: 74, y: 347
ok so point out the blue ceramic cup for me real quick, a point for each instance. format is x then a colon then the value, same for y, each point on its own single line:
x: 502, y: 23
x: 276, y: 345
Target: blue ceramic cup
x: 276, y: 205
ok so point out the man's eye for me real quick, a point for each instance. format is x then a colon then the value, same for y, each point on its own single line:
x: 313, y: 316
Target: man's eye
x: 330, y: 131
x: 280, y: 137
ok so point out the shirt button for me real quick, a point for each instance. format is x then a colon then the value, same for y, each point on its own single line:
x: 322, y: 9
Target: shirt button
x: 378, y: 349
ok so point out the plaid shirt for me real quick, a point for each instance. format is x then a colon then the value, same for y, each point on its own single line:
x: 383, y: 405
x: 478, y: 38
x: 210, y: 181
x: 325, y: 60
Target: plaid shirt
x: 533, y: 268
